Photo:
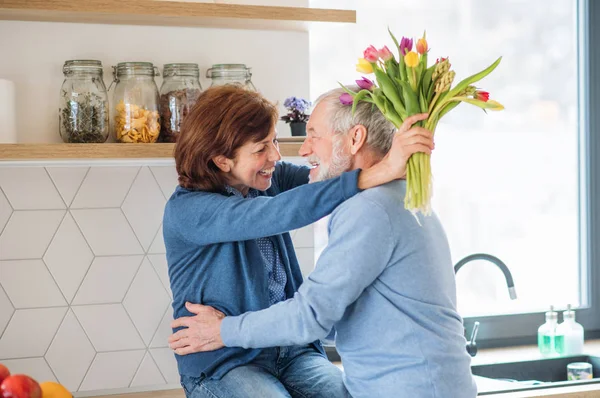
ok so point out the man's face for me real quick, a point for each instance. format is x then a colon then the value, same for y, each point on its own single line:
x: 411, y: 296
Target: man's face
x: 328, y: 152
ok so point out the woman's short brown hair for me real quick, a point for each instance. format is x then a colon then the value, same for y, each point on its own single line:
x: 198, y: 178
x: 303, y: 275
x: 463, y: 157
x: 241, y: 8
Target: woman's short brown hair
x: 223, y: 119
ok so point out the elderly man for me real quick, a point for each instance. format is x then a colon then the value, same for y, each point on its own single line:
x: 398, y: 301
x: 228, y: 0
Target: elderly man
x: 385, y: 281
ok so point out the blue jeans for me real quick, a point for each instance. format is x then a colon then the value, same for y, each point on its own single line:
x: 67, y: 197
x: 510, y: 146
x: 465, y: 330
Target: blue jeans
x: 295, y: 371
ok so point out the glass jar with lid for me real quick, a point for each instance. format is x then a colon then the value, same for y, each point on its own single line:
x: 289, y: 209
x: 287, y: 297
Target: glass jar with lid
x: 231, y: 74
x: 179, y: 92
x: 83, y: 112
x: 136, y: 116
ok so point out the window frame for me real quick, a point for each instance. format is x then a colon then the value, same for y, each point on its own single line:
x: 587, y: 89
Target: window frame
x: 518, y: 329
x: 521, y: 329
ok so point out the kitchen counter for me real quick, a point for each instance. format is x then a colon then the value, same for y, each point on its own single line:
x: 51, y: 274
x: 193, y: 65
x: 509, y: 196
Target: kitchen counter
x: 484, y: 356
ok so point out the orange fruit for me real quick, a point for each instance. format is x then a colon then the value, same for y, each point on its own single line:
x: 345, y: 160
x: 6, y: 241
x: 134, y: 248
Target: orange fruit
x: 51, y: 389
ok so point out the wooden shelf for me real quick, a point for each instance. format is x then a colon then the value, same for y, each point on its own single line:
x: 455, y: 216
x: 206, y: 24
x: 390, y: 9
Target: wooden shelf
x: 170, y: 13
x: 12, y: 152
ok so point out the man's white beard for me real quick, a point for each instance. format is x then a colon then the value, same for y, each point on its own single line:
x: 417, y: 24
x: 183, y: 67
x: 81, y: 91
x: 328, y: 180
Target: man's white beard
x: 341, y: 161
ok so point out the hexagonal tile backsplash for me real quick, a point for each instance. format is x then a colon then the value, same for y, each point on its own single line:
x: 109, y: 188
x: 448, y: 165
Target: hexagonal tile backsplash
x: 84, y: 289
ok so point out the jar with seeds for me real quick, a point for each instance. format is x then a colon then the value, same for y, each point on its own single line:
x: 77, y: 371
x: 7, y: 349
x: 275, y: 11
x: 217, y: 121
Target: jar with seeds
x: 83, y: 111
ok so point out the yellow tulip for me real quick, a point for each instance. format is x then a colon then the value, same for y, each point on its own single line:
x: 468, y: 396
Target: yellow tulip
x: 364, y: 66
x: 411, y: 59
x: 496, y: 106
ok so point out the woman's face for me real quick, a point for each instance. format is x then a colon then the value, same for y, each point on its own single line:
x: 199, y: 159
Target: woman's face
x: 254, y: 164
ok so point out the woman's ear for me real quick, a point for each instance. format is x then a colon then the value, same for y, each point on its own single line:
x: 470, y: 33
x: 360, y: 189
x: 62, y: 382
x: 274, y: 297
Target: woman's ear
x: 223, y: 163
x: 358, y: 138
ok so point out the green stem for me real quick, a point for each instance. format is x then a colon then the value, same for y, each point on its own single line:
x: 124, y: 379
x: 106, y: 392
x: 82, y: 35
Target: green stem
x: 435, y: 98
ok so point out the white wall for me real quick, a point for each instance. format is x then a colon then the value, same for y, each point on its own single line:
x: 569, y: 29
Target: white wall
x: 84, y: 290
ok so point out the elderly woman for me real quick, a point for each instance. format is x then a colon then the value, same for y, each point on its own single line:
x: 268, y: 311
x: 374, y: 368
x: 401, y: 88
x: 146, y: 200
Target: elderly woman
x: 226, y: 234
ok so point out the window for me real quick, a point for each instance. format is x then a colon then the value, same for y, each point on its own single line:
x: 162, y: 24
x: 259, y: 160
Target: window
x: 513, y: 183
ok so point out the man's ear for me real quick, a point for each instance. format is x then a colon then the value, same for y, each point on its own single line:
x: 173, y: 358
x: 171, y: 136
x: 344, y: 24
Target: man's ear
x: 358, y: 138
x: 223, y: 163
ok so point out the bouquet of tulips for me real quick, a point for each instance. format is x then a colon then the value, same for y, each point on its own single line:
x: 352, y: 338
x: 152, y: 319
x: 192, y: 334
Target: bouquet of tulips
x: 407, y: 86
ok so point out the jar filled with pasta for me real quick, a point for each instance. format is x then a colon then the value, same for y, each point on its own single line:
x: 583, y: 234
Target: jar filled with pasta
x: 179, y: 92
x: 83, y: 111
x: 135, y: 104
x: 231, y: 74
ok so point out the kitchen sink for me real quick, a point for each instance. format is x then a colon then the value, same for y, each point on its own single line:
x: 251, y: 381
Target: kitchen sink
x: 533, y: 374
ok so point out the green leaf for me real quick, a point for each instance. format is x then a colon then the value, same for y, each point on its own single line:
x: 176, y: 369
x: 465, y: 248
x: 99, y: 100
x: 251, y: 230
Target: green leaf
x: 396, y: 43
x: 346, y: 89
x: 391, y: 68
x: 402, y: 68
x: 422, y: 103
x: 421, y: 68
x: 476, y: 102
x: 426, y: 82
x: 411, y: 101
x: 391, y: 114
x: 389, y: 89
x: 359, y: 97
x: 472, y: 79
x: 447, y: 108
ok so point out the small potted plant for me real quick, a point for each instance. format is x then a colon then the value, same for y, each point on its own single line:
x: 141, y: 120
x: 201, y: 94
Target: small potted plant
x: 296, y: 116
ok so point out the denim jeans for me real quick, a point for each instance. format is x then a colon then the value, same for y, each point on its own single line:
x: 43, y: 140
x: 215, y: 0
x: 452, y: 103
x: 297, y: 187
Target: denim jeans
x: 295, y: 371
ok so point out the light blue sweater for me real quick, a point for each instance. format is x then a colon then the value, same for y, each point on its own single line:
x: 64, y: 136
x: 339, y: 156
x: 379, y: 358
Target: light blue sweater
x: 387, y: 285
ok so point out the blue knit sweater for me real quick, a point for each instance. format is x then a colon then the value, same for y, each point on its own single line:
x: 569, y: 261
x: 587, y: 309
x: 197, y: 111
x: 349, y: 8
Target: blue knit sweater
x: 214, y: 259
x: 386, y: 282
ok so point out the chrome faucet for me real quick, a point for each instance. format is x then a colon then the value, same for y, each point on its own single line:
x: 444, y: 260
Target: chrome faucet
x: 495, y: 260
x: 472, y: 344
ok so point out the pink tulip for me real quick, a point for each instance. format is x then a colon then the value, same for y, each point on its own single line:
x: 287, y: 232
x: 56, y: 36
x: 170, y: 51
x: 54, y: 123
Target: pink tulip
x: 385, y: 53
x: 371, y: 54
x: 346, y: 99
x: 365, y: 83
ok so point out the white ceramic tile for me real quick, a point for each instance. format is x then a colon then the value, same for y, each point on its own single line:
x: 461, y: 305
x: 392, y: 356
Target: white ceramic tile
x: 112, y: 370
x: 67, y: 180
x: 107, y: 280
x: 29, y: 188
x: 107, y: 232
x: 303, y: 237
x: 306, y: 259
x: 70, y: 353
x: 108, y: 327
x: 144, y: 207
x: 30, y: 332
x: 29, y: 284
x: 148, y: 373
x: 104, y: 187
x: 146, y: 301
x: 158, y: 245
x: 167, y: 179
x: 161, y: 338
x: 28, y: 233
x: 6, y: 310
x: 165, y: 359
x: 35, y: 368
x: 5, y: 211
x: 68, y: 257
x: 159, y: 262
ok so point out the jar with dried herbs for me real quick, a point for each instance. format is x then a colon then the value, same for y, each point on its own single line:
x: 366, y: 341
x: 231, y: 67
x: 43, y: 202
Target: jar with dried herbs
x: 83, y: 112
x: 136, y: 118
x: 179, y: 92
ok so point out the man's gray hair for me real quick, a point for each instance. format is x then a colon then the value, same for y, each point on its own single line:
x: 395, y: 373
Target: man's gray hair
x: 380, y: 131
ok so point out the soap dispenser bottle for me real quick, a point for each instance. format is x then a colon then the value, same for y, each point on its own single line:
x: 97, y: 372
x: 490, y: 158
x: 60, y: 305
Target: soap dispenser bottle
x: 573, y: 333
x: 547, y: 334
